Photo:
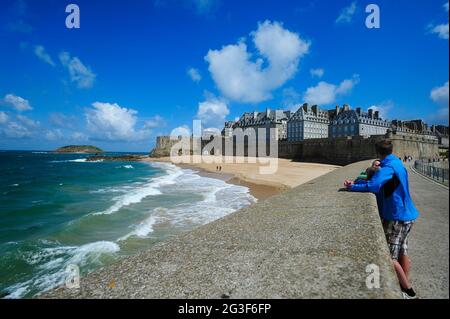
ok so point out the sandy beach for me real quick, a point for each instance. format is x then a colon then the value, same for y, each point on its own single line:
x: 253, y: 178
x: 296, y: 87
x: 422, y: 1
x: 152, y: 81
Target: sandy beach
x: 288, y: 175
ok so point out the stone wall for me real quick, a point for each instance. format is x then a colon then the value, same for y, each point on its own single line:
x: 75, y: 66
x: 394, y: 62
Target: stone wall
x: 418, y: 146
x: 346, y: 150
x: 163, y: 146
x: 340, y: 151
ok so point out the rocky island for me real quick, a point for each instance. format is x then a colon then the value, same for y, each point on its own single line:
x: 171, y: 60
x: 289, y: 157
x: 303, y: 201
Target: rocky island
x: 88, y: 149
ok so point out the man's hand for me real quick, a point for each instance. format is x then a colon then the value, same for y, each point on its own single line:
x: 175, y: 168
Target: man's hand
x: 348, y: 184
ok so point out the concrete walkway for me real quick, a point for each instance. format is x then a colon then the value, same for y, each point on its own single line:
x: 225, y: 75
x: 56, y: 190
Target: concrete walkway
x: 429, y: 241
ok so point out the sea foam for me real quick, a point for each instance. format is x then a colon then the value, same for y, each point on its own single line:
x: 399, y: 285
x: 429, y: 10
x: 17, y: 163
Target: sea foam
x: 53, y: 261
x: 151, y: 188
x: 218, y: 199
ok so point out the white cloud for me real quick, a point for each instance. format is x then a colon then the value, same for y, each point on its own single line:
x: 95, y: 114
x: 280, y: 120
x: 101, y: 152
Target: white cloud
x: 154, y: 122
x: 18, y: 103
x: 3, y: 118
x: 241, y: 77
x: 18, y: 127
x: 383, y: 108
x: 194, y: 74
x: 212, y: 112
x: 79, y: 137
x: 181, y: 131
x: 347, y: 13
x: 40, y: 52
x: 106, y: 121
x: 317, y: 73
x: 439, y: 116
x: 326, y: 93
x: 78, y: 72
x: 54, y: 135
x: 15, y: 130
x: 441, y: 30
x: 440, y: 94
x: 30, y: 123
x: 62, y: 120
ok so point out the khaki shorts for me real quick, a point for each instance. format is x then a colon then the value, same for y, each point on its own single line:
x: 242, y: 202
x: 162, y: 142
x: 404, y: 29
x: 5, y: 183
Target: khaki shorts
x: 397, y: 237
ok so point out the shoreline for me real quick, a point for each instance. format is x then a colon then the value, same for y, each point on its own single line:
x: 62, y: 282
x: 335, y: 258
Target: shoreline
x: 259, y: 191
x: 289, y: 174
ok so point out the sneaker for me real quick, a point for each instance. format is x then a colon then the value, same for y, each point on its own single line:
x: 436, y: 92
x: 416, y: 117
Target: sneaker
x: 406, y: 296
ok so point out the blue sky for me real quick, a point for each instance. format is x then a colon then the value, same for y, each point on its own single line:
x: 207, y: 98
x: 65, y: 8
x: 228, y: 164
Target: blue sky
x: 137, y: 69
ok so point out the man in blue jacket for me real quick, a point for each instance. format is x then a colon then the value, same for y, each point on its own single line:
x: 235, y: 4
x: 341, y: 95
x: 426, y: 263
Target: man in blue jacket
x: 397, y: 211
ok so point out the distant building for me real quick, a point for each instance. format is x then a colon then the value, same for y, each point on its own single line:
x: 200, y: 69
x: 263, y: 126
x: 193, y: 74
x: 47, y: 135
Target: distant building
x: 441, y: 132
x: 308, y: 122
x: 411, y: 126
x: 440, y: 129
x: 228, y: 129
x: 269, y: 119
x: 311, y: 122
x: 210, y: 133
x: 348, y: 122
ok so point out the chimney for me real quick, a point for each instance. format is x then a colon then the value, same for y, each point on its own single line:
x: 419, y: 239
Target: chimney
x: 305, y: 107
x: 337, y: 109
x: 376, y: 114
x: 371, y: 113
x: 314, y: 109
x: 358, y: 110
x: 267, y: 112
x: 346, y: 107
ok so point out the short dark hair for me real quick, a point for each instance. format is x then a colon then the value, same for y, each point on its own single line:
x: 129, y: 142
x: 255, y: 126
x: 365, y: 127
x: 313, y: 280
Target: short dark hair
x: 370, y: 171
x: 384, y: 147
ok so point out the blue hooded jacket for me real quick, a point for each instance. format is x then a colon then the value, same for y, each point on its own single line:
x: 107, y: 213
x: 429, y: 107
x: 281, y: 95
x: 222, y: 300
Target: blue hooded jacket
x: 391, y: 187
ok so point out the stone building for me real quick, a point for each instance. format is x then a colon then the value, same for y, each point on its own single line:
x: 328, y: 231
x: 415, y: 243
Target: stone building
x: 412, y: 126
x: 441, y: 132
x: 348, y: 122
x: 228, y: 129
x: 308, y: 122
x: 440, y: 129
x: 269, y: 119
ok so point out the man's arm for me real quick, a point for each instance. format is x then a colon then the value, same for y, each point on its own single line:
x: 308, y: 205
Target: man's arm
x: 374, y: 185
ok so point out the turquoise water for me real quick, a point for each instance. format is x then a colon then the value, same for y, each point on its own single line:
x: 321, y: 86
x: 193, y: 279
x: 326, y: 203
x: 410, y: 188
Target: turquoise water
x: 58, y: 210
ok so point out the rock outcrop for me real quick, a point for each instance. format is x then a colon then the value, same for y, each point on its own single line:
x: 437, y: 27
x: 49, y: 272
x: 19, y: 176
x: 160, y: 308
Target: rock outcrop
x: 121, y: 158
x: 88, y: 149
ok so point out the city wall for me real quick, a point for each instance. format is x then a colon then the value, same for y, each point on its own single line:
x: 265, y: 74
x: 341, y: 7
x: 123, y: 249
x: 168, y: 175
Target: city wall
x: 346, y: 150
x: 340, y: 151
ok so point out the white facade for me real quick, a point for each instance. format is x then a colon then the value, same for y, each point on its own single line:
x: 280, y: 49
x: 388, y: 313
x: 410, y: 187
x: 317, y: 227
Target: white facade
x: 276, y: 119
x: 307, y: 123
x: 354, y: 122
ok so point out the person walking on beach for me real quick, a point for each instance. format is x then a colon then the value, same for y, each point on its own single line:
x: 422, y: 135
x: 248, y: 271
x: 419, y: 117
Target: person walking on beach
x: 391, y: 186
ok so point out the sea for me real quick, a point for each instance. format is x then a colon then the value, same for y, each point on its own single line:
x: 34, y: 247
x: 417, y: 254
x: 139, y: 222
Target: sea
x: 59, y: 210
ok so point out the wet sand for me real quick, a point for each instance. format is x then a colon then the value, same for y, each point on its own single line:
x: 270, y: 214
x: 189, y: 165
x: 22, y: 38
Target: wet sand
x: 259, y: 191
x: 288, y: 175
